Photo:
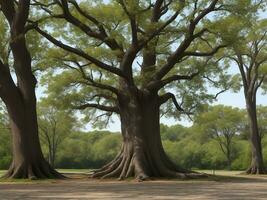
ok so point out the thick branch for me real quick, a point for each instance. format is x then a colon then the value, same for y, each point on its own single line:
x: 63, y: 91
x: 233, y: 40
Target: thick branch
x: 80, y: 53
x: 179, y: 52
x: 204, y: 54
x: 164, y: 98
x: 8, y: 8
x: 161, y: 83
x: 102, y: 36
x: 97, y: 106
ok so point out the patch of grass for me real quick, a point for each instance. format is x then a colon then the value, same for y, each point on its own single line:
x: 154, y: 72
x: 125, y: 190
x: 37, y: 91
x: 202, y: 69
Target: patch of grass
x: 220, y: 175
x: 2, y: 172
x: 221, y: 172
x: 82, y: 171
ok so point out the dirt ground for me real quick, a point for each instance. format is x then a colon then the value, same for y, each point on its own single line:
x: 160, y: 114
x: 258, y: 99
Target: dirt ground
x: 223, y: 188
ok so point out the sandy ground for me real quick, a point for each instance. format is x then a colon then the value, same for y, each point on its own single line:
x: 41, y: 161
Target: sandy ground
x: 247, y: 188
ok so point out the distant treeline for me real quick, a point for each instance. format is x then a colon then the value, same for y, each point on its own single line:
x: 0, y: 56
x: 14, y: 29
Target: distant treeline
x: 190, y: 147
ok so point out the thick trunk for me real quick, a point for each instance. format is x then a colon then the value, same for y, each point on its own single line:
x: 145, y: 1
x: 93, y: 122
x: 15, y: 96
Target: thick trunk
x: 257, y: 165
x: 20, y: 100
x: 142, y: 155
x: 28, y: 160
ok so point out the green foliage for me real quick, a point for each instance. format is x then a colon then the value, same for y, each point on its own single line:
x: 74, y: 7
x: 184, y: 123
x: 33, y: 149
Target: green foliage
x: 190, y: 147
x: 88, y: 150
x: 5, y: 140
x: 106, y: 148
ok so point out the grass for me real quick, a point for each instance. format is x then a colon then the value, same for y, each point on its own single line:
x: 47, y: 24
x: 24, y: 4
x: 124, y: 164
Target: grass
x: 219, y: 175
x: 2, y: 172
x: 28, y: 181
x: 221, y: 172
x: 74, y: 170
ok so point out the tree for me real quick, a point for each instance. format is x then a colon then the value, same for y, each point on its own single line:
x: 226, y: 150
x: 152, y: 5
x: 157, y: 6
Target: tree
x: 5, y: 151
x: 173, y: 133
x: 222, y: 123
x: 19, y: 97
x: 262, y: 120
x: 54, y: 126
x: 249, y: 52
x: 104, y: 44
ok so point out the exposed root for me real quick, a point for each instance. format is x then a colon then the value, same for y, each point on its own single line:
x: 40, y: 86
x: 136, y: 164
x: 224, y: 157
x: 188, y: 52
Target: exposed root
x: 255, y: 170
x: 127, y: 165
x: 32, y: 171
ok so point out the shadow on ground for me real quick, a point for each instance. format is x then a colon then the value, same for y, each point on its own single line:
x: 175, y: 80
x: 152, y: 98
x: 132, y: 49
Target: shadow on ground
x: 219, y: 187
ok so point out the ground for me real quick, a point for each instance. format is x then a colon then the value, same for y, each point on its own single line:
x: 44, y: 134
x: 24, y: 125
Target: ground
x: 227, y: 185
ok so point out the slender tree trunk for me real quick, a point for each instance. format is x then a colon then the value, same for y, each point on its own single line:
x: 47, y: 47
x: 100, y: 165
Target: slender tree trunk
x: 142, y: 154
x: 229, y: 159
x: 257, y: 165
x: 51, y: 157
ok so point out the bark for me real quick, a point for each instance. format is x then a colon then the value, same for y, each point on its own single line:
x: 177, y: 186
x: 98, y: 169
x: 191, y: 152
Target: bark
x: 28, y: 160
x: 257, y: 165
x: 142, y: 155
x: 20, y: 100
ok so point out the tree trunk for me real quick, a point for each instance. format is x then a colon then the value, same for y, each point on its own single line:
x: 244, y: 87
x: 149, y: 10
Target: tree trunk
x: 142, y: 154
x: 28, y: 160
x: 229, y: 155
x: 257, y: 165
x: 20, y: 99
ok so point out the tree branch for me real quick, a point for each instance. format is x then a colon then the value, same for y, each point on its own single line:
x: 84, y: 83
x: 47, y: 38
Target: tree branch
x: 97, y: 106
x: 80, y: 53
x: 161, y: 83
x: 179, y: 52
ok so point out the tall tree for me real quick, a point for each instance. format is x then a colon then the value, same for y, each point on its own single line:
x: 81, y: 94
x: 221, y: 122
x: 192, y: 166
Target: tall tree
x: 249, y: 54
x: 124, y: 57
x: 19, y: 97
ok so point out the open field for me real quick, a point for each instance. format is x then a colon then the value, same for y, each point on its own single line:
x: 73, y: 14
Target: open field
x: 228, y: 185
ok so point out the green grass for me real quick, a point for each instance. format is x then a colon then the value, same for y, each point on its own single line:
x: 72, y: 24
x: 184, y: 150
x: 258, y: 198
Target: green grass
x: 2, y: 172
x: 216, y: 172
x: 220, y: 175
x: 74, y: 170
x: 221, y: 172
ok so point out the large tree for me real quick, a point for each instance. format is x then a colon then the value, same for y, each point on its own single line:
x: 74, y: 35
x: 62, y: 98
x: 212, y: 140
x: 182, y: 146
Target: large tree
x: 125, y: 57
x: 249, y: 54
x: 18, y: 94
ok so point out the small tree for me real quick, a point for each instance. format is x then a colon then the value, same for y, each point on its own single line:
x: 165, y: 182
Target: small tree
x: 249, y: 54
x: 54, y: 125
x: 222, y: 123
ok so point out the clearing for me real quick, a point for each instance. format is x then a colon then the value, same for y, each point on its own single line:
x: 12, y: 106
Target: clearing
x: 227, y: 185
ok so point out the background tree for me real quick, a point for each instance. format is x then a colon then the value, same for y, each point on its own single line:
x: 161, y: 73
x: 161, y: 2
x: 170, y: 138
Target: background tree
x: 248, y: 53
x: 5, y: 135
x: 123, y: 57
x: 54, y: 125
x: 222, y: 123
x: 19, y: 95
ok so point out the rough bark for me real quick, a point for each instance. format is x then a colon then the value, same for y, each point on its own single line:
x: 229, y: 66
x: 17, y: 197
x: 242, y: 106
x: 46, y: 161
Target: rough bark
x: 20, y: 100
x: 28, y: 160
x: 257, y: 165
x: 142, y: 155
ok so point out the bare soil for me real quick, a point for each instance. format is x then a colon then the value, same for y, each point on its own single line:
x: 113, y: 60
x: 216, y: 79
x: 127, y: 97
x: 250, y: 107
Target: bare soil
x: 222, y: 188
